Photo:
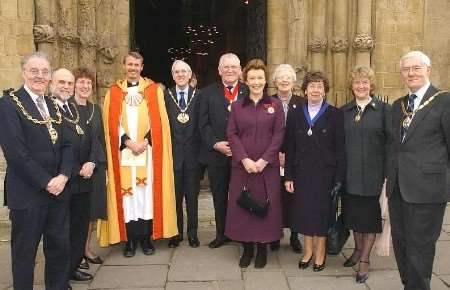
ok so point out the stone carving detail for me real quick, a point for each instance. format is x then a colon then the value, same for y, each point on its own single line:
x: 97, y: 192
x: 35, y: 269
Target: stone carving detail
x: 339, y: 44
x: 108, y: 53
x: 318, y: 45
x: 43, y: 33
x: 363, y: 42
x: 105, y: 78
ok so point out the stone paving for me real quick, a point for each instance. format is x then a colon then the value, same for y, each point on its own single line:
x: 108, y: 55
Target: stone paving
x: 203, y: 268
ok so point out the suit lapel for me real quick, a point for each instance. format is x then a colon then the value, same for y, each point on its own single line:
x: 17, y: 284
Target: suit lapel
x: 421, y: 113
x: 68, y: 116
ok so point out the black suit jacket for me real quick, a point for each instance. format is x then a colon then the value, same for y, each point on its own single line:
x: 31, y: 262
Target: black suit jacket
x: 85, y: 148
x: 31, y: 158
x: 420, y: 164
x: 186, y: 138
x: 213, y: 121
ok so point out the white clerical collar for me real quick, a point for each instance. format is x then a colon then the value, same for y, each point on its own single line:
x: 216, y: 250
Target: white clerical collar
x: 32, y: 95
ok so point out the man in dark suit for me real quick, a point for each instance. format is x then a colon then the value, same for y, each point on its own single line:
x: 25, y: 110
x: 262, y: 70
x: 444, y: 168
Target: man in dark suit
x: 182, y: 108
x: 79, y: 186
x: 417, y: 184
x: 215, y: 104
x: 39, y: 163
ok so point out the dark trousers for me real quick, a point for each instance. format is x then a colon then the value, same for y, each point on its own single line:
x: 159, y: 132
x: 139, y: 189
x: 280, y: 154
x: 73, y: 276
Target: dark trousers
x: 79, y: 224
x: 187, y: 186
x: 139, y: 230
x: 27, y: 227
x: 415, y: 230
x: 219, y: 178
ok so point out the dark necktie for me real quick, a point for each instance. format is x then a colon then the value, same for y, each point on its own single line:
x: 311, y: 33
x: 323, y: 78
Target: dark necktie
x: 230, y: 89
x: 66, y: 109
x: 181, y: 101
x: 409, y: 109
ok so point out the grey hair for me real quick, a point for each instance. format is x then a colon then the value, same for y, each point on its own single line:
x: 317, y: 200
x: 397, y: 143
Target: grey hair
x: 284, y: 67
x: 37, y: 54
x: 424, y: 59
x: 179, y: 61
x: 229, y: 55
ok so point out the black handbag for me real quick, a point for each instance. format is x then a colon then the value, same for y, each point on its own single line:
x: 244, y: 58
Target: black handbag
x: 256, y: 207
x: 338, y: 233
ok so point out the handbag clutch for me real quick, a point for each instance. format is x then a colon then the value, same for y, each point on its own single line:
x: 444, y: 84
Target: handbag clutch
x: 256, y: 207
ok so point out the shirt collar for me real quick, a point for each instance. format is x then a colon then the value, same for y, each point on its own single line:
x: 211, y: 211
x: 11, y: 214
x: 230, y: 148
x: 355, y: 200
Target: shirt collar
x: 185, y: 90
x: 233, y: 85
x: 420, y: 93
x: 32, y: 95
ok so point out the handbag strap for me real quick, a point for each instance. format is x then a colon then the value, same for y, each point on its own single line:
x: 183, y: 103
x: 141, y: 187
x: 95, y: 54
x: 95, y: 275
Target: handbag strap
x: 265, y: 187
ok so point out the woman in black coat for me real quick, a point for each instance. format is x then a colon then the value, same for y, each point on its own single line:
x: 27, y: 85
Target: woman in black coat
x: 367, y: 123
x: 84, y: 82
x: 315, y: 166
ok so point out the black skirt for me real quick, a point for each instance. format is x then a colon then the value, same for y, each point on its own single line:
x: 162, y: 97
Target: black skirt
x: 362, y: 213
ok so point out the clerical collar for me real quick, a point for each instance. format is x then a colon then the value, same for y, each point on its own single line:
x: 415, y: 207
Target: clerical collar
x: 132, y: 84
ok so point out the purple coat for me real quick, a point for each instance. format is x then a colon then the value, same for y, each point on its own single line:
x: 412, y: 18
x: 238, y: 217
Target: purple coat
x: 255, y: 132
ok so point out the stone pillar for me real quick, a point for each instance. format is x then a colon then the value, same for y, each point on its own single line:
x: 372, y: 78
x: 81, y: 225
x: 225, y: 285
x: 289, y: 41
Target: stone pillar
x: 44, y: 30
x: 277, y: 35
x: 86, y: 32
x: 318, y: 43
x: 297, y: 44
x: 339, y: 47
x: 363, y: 41
x: 67, y: 33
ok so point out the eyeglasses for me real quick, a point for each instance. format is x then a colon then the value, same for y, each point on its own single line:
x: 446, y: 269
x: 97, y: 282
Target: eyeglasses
x: 35, y: 72
x: 230, y: 67
x: 414, y: 69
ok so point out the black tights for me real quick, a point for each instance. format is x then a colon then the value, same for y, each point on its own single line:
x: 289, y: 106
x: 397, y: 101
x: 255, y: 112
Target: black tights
x: 363, y: 246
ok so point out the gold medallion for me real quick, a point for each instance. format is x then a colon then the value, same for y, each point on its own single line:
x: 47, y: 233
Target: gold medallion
x: 357, y: 118
x: 309, y: 131
x: 183, y: 118
x: 79, y: 129
x: 229, y: 108
x: 53, y: 134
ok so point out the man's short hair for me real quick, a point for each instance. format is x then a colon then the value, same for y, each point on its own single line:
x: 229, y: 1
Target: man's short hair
x: 133, y: 54
x: 179, y: 61
x: 36, y: 54
x: 231, y: 56
x: 424, y: 59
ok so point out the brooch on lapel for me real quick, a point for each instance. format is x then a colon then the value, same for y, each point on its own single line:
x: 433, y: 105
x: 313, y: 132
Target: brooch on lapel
x: 269, y: 107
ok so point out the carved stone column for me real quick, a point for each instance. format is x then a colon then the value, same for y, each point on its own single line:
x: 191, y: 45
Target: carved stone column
x: 86, y: 31
x: 67, y: 33
x: 363, y: 41
x: 277, y: 35
x: 256, y: 29
x: 297, y: 44
x: 318, y: 44
x: 339, y: 47
x: 106, y: 47
x: 43, y: 30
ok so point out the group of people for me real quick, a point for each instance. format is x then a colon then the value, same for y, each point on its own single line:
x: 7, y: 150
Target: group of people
x: 273, y: 162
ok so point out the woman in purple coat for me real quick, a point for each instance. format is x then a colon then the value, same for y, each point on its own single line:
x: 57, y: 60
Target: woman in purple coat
x: 315, y: 165
x: 255, y: 134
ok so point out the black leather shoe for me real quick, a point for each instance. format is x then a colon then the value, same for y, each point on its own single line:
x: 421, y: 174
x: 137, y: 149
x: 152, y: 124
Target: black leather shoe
x: 218, y: 242
x: 295, y: 244
x: 349, y: 263
x: 247, y: 255
x: 173, y: 242
x: 275, y: 246
x: 80, y: 276
x: 130, y: 249
x: 261, y: 256
x: 304, y: 264
x: 194, y: 242
x: 95, y: 260
x: 84, y: 265
x: 147, y: 247
x: 361, y: 278
x: 318, y: 268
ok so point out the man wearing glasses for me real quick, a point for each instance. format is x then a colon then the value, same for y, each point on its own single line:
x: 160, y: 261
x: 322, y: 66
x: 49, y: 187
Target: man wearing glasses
x: 420, y: 162
x: 215, y: 104
x: 39, y: 163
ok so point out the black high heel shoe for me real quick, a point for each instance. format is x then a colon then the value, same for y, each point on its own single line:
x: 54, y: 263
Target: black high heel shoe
x: 349, y: 262
x: 303, y: 265
x: 317, y: 267
x: 362, y: 278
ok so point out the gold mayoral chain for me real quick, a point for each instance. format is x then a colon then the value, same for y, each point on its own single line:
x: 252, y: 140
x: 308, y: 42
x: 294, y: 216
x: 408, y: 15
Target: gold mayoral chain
x: 76, y: 120
x: 47, y: 122
x: 409, y: 115
x: 358, y: 115
x: 182, y: 117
